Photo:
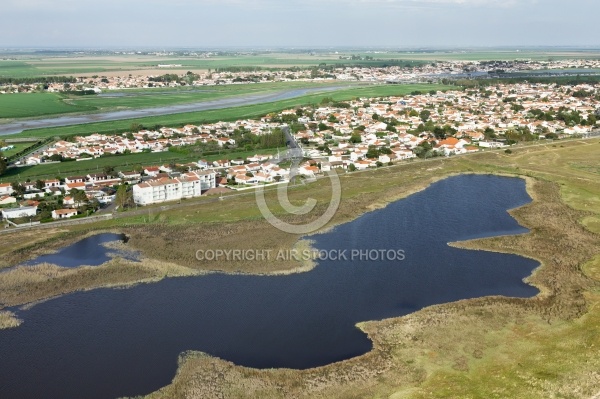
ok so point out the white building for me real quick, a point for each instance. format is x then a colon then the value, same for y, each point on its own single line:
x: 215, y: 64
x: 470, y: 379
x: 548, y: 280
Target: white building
x: 22, y: 212
x: 63, y: 213
x: 6, y: 189
x: 188, y: 185
x: 208, y: 179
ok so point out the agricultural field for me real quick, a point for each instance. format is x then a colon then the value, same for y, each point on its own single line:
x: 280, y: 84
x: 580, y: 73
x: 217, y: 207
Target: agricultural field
x: 30, y: 65
x: 229, y: 114
x: 147, y: 98
x: 27, y: 105
x: 37, y: 104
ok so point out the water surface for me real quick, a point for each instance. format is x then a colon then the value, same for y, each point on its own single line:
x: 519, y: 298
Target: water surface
x: 114, y: 342
x: 90, y: 251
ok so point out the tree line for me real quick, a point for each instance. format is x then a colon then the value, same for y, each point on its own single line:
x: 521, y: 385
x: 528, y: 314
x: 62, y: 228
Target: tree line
x: 38, y: 80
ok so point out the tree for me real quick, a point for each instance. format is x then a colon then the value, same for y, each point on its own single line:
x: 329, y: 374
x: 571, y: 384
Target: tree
x: 372, y: 152
x: 351, y: 167
x: 123, y: 197
x: 355, y: 137
x: 489, y: 133
x: 18, y: 189
x: 79, y: 196
x: 136, y: 127
x: 424, y: 115
x: 39, y: 184
x: 2, y: 164
x: 109, y: 170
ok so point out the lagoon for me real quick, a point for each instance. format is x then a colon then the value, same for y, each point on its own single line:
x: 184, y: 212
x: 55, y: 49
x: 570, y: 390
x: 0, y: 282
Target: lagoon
x: 107, y: 343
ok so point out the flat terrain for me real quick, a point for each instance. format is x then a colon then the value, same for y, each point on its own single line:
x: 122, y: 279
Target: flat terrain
x: 229, y: 114
x: 24, y: 105
x: 37, y: 104
x: 29, y: 65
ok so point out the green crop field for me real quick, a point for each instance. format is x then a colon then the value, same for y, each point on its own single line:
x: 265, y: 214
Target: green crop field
x: 30, y: 65
x: 229, y: 114
x: 36, y: 104
x: 40, y: 104
x: 161, y: 97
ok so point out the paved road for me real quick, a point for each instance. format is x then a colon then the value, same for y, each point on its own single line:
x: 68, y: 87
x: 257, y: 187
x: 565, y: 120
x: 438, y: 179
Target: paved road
x: 249, y: 99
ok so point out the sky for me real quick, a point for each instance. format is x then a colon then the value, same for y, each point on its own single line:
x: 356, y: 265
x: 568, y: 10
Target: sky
x: 299, y: 23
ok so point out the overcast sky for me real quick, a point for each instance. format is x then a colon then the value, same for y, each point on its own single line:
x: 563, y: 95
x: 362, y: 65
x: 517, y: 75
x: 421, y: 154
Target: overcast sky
x: 305, y: 23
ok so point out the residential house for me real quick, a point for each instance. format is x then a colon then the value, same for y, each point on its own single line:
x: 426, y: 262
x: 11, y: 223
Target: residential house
x: 6, y: 189
x: 75, y: 179
x: 63, y: 213
x: 7, y: 199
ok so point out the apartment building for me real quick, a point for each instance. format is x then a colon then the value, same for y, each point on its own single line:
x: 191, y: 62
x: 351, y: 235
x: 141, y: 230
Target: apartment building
x: 165, y: 189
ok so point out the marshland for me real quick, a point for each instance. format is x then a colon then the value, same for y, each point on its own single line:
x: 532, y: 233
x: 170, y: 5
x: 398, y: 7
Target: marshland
x: 510, y: 347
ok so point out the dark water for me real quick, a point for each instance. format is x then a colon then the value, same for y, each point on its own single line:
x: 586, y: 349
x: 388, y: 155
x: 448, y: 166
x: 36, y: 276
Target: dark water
x: 86, y: 252
x: 112, y: 342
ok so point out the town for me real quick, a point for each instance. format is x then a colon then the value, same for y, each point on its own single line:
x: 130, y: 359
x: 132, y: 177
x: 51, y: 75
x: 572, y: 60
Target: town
x: 347, y: 135
x: 419, y: 72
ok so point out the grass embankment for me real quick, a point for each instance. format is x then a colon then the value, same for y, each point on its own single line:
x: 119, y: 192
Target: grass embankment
x: 487, y: 347
x: 30, y: 284
x: 228, y: 114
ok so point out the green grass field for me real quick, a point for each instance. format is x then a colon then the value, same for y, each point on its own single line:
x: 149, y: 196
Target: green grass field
x: 120, y: 163
x: 37, y: 104
x: 145, y: 98
x: 229, y: 114
x: 18, y: 147
x: 34, y: 65
x: 41, y: 104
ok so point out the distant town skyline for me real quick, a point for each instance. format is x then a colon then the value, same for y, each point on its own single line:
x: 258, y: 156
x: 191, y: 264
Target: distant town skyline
x: 271, y: 23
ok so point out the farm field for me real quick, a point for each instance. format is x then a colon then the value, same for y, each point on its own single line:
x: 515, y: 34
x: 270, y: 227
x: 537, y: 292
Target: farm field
x: 30, y: 65
x: 37, y: 104
x: 146, y: 98
x: 26, y: 105
x: 229, y: 114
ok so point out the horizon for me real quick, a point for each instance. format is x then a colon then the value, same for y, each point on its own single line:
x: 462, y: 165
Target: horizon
x: 299, y: 24
x: 283, y: 48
